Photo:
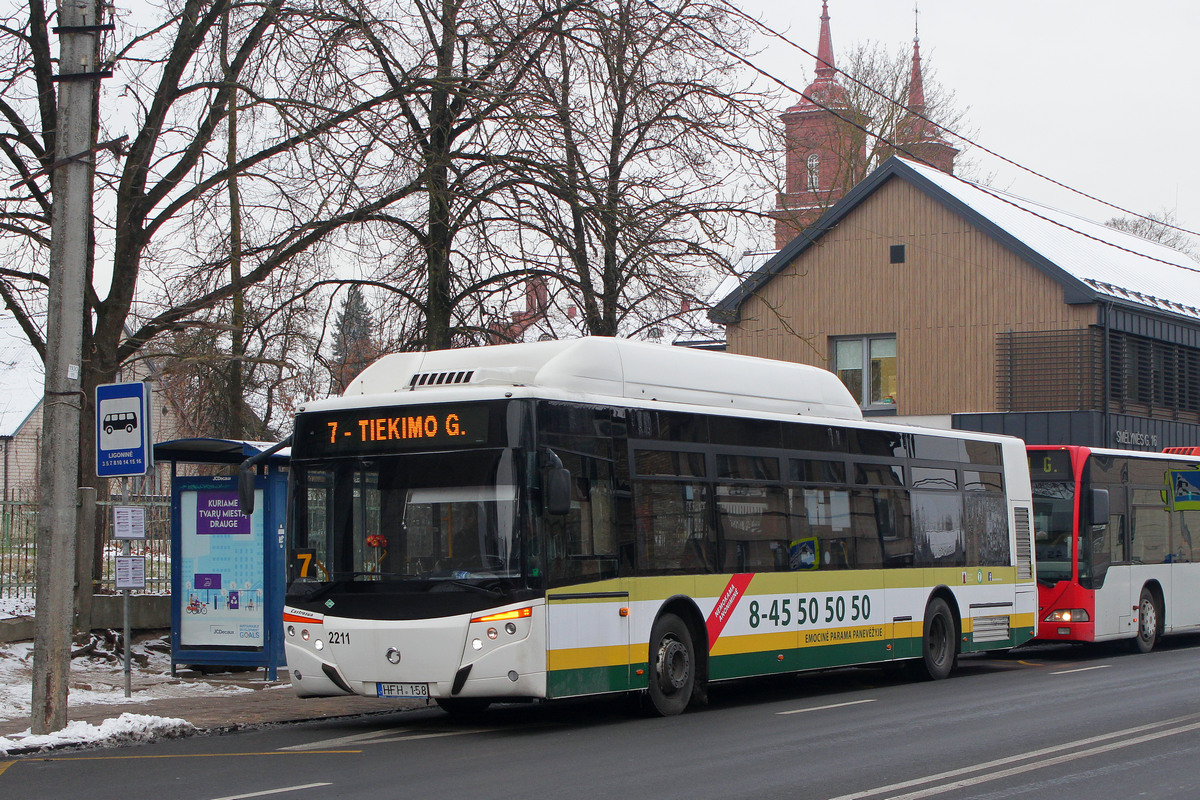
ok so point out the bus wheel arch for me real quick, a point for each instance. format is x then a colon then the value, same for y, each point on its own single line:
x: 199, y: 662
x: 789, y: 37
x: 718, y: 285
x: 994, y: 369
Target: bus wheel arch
x: 677, y: 658
x: 1151, y: 612
x: 940, y: 634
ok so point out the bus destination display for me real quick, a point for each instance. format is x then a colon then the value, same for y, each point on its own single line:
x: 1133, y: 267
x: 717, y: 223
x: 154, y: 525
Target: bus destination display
x: 378, y: 430
x: 1050, y: 464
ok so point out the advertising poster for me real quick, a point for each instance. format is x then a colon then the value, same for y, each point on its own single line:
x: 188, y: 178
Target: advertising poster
x: 222, y: 566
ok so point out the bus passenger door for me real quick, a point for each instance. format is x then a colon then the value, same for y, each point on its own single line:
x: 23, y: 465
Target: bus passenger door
x: 1114, y: 611
x: 588, y: 649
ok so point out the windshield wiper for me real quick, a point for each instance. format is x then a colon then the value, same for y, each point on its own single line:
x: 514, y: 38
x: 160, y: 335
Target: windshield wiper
x: 462, y: 584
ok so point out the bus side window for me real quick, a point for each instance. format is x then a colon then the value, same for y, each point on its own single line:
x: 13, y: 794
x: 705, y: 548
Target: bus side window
x: 1185, y: 532
x: 1151, y: 529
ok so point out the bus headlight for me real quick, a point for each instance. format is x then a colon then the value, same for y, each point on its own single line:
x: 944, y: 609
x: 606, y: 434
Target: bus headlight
x: 1069, y: 615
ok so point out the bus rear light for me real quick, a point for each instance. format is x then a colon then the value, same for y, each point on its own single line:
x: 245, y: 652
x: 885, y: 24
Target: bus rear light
x: 1068, y: 615
x: 518, y: 613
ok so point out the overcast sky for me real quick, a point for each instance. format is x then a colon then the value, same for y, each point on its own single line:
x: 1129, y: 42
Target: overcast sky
x: 1097, y: 94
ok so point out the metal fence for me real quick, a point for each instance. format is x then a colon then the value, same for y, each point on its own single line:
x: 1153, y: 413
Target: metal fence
x: 18, y: 548
x: 18, y: 545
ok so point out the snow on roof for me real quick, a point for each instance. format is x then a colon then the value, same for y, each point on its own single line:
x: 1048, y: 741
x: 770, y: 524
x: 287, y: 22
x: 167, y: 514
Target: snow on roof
x: 1112, y: 263
x: 1095, y: 261
x: 21, y: 376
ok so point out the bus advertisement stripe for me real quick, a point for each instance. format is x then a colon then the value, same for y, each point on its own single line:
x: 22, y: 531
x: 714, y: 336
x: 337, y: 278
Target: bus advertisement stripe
x: 726, y: 603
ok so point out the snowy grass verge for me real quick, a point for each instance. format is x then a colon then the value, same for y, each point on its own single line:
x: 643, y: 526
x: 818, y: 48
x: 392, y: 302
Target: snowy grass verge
x: 125, y: 729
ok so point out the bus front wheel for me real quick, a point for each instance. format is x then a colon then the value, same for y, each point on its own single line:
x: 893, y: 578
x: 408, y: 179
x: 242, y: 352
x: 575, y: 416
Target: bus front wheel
x: 939, y: 643
x: 672, y: 665
x: 1148, y: 617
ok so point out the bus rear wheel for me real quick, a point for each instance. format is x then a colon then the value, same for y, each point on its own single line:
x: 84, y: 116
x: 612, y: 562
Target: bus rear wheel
x: 672, y: 665
x: 1148, y: 617
x: 939, y: 644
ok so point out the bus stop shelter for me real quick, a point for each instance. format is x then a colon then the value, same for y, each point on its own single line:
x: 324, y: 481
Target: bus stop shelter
x: 227, y: 568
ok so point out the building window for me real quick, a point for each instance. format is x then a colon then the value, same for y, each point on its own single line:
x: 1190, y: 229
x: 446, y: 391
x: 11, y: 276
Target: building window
x: 814, y: 172
x: 896, y: 254
x: 867, y: 365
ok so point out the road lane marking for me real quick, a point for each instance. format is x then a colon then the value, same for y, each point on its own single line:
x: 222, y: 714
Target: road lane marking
x: 1000, y: 762
x: 383, y: 737
x: 266, y: 792
x: 5, y: 765
x: 823, y: 708
x: 1049, y: 762
x: 190, y: 755
x: 1080, y: 669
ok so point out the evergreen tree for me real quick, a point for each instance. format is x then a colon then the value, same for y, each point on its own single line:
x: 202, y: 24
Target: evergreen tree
x: 353, y: 348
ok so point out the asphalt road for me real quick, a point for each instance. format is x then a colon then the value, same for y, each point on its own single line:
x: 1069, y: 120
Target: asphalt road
x: 1042, y: 722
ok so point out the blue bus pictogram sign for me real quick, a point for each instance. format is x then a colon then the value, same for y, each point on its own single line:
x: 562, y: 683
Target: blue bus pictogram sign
x: 122, y: 432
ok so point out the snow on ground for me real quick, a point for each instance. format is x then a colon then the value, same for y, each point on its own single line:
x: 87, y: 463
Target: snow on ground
x: 16, y: 607
x: 98, y: 678
x: 112, y: 732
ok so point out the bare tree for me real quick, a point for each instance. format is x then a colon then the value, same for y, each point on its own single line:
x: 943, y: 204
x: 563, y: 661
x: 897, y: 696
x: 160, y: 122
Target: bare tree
x: 458, y: 68
x: 162, y: 218
x: 644, y: 126
x: 1158, y: 227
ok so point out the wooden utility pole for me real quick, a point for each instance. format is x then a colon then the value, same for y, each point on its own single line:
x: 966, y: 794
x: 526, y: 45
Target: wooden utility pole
x: 70, y: 231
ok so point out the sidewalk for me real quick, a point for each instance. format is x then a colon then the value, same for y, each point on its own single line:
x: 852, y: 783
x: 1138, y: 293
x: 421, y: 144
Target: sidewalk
x: 161, y: 704
x: 260, y: 702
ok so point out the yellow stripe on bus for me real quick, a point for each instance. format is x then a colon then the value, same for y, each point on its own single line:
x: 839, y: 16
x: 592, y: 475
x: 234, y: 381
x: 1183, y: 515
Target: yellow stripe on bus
x: 711, y: 586
x: 585, y: 657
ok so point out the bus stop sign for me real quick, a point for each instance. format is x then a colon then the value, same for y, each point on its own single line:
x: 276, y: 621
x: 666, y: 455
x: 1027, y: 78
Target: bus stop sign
x: 122, y: 430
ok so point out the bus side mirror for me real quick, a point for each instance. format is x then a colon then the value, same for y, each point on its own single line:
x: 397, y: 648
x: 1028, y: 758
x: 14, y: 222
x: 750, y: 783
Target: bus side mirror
x: 1099, y: 505
x: 246, y: 489
x: 558, y: 490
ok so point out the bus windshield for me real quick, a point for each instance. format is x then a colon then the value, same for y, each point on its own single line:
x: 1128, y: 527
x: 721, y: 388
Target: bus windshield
x: 1053, y: 516
x: 413, y: 518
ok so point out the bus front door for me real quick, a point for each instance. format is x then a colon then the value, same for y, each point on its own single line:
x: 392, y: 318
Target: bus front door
x: 587, y: 648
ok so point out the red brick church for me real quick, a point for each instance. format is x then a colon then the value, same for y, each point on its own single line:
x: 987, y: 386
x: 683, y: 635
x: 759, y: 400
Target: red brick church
x: 826, y: 141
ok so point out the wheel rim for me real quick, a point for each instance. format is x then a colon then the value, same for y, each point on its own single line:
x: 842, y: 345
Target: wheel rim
x: 1149, y: 613
x: 938, y: 640
x: 674, y: 665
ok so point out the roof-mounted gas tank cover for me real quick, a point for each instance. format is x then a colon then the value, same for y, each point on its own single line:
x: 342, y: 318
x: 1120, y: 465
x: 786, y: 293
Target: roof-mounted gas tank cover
x: 619, y: 368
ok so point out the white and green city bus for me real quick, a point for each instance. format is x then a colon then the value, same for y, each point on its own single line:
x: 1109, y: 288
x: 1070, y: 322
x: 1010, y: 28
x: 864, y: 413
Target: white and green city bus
x: 550, y: 520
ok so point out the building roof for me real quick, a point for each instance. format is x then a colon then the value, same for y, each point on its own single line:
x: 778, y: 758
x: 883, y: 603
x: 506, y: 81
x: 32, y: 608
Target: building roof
x: 1094, y: 263
x: 204, y: 450
x: 22, y: 377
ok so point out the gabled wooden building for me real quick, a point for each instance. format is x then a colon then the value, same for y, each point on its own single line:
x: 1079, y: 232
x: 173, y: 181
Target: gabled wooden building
x: 945, y: 302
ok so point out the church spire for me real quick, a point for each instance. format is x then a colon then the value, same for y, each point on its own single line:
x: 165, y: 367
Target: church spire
x: 825, y: 68
x: 916, y: 86
x: 915, y: 134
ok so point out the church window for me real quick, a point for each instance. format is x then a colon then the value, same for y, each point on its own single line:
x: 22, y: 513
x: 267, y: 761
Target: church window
x: 814, y: 170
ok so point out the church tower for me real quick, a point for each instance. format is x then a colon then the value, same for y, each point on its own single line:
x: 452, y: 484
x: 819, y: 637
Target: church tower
x: 920, y: 138
x: 824, y: 143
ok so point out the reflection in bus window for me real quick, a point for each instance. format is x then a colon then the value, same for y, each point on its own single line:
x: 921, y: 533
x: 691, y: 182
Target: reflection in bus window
x: 582, y: 544
x: 753, y: 524
x: 1151, y: 529
x: 938, y: 536
x: 1053, y: 525
x: 672, y: 528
